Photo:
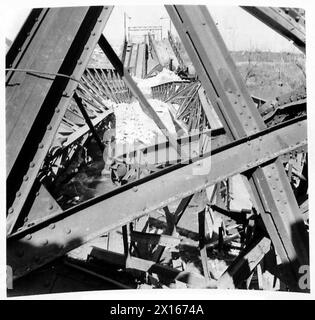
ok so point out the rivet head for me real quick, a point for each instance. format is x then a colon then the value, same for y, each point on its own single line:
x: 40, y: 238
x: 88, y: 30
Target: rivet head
x: 68, y: 230
x: 57, y: 110
x: 50, y: 207
x: 45, y: 242
x: 49, y: 127
x: 11, y: 210
x: 41, y: 146
x: 52, y: 226
x: 25, y: 178
x: 18, y: 194
x: 32, y: 164
x: 28, y: 237
x: 135, y: 189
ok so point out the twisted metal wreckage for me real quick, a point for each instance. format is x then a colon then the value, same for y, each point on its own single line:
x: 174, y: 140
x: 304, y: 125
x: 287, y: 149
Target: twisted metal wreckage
x: 57, y: 106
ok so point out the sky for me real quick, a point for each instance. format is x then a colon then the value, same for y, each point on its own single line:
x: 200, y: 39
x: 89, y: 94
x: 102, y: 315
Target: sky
x: 239, y: 29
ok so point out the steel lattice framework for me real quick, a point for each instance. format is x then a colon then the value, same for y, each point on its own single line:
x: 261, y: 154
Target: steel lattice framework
x: 48, y: 85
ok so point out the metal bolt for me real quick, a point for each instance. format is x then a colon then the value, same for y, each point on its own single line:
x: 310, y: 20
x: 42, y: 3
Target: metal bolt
x: 11, y: 210
x: 37, y: 193
x: 49, y: 127
x: 79, y: 62
x: 52, y: 226
x: 93, y: 34
x: 41, y: 146
x: 18, y: 194
x: 32, y: 164
x: 28, y: 237
x: 25, y: 178
x: 57, y: 110
x: 100, y: 20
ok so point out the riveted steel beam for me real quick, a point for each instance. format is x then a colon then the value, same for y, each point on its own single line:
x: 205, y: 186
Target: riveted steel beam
x: 34, y: 246
x: 286, y: 21
x: 60, y: 42
x: 239, y: 116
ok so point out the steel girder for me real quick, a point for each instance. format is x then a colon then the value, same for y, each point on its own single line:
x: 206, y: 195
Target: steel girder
x: 286, y: 21
x: 34, y: 246
x: 239, y: 116
x: 254, y: 145
x: 52, y: 41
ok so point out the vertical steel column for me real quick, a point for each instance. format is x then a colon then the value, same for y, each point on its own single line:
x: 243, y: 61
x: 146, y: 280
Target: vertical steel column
x: 228, y: 94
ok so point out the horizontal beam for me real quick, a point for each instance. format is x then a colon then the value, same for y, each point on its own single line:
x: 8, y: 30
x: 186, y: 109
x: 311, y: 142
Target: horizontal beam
x: 154, y: 239
x: 193, y: 280
x: 35, y: 246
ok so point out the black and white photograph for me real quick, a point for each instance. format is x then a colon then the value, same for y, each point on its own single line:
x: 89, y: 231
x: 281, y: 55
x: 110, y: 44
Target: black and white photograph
x: 155, y: 146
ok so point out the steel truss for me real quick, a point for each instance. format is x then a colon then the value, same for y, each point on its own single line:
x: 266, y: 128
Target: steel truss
x: 58, y: 78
